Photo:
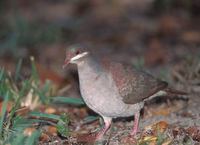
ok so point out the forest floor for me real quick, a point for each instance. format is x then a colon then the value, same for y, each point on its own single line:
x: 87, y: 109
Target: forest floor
x: 41, y: 102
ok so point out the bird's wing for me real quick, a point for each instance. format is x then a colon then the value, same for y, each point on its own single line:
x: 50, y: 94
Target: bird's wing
x: 134, y: 85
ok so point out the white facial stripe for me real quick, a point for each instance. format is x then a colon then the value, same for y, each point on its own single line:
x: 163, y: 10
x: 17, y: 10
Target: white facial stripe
x: 79, y: 56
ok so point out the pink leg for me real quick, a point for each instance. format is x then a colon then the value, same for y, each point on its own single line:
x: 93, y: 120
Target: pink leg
x: 136, y: 123
x: 96, y: 136
x: 107, y: 122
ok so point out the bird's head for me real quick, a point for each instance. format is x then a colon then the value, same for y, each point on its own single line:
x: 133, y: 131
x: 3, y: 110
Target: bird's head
x: 74, y: 55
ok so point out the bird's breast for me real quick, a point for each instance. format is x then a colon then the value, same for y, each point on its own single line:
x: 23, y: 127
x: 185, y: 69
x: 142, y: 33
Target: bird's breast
x: 101, y: 95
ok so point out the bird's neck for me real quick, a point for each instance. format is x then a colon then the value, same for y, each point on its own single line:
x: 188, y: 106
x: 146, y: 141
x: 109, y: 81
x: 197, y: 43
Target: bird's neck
x: 89, y: 68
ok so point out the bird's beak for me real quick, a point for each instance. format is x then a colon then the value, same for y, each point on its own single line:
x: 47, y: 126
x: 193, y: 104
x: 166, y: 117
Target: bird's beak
x: 66, y: 62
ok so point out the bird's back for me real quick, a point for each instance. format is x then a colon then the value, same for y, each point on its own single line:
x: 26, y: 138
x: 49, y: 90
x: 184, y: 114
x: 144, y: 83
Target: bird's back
x: 134, y: 85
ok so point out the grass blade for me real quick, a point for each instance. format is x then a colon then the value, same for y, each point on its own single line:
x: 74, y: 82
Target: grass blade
x: 34, y: 69
x: 44, y: 115
x: 18, y: 68
x: 19, y: 140
x: 68, y: 100
x: 90, y: 119
x: 1, y: 74
x: 33, y: 139
x: 63, y: 125
x: 3, y: 112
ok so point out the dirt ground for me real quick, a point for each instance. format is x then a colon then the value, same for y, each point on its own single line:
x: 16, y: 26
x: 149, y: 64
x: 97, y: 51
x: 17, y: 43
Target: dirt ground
x: 164, y: 43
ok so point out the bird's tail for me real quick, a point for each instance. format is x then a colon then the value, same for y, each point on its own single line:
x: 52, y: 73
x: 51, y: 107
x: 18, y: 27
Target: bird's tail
x: 169, y: 92
x: 174, y: 91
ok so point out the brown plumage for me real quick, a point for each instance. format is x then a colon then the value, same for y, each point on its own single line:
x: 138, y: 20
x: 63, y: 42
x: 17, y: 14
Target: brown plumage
x: 134, y: 85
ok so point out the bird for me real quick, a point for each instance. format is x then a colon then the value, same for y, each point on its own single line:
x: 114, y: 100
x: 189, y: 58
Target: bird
x: 112, y: 89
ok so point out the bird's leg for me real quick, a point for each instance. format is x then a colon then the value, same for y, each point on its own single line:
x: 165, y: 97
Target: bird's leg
x: 107, y: 123
x: 136, y: 123
x: 98, y: 135
x: 131, y: 138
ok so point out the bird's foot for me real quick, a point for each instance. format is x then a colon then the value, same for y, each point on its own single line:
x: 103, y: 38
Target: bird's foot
x: 89, y: 137
x: 96, y: 136
x: 133, y: 133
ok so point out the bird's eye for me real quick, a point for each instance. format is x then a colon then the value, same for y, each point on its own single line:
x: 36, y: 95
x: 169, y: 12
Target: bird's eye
x: 77, y: 52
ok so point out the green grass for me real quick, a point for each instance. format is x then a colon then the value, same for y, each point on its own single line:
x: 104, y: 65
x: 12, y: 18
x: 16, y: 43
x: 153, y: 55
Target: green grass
x: 15, y: 89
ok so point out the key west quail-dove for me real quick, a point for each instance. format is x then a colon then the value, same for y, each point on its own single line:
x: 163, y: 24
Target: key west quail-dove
x: 114, y: 90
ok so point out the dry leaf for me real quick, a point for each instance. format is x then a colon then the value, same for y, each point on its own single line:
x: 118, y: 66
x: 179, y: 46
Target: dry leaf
x: 194, y: 132
x: 128, y: 140
x: 44, y: 137
x: 151, y: 140
x: 191, y: 37
x: 161, y: 126
x: 50, y: 110
x: 157, y: 127
x: 8, y: 108
x: 52, y: 130
x: 29, y: 131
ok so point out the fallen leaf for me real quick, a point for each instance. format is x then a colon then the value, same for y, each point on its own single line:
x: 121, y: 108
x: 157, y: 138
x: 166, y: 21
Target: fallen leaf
x: 161, y: 126
x: 29, y: 131
x: 150, y: 140
x: 50, y: 110
x: 191, y: 37
x: 44, y: 137
x: 156, y: 128
x: 52, y: 130
x: 178, y: 131
x: 128, y: 140
x: 8, y: 108
x: 194, y: 132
